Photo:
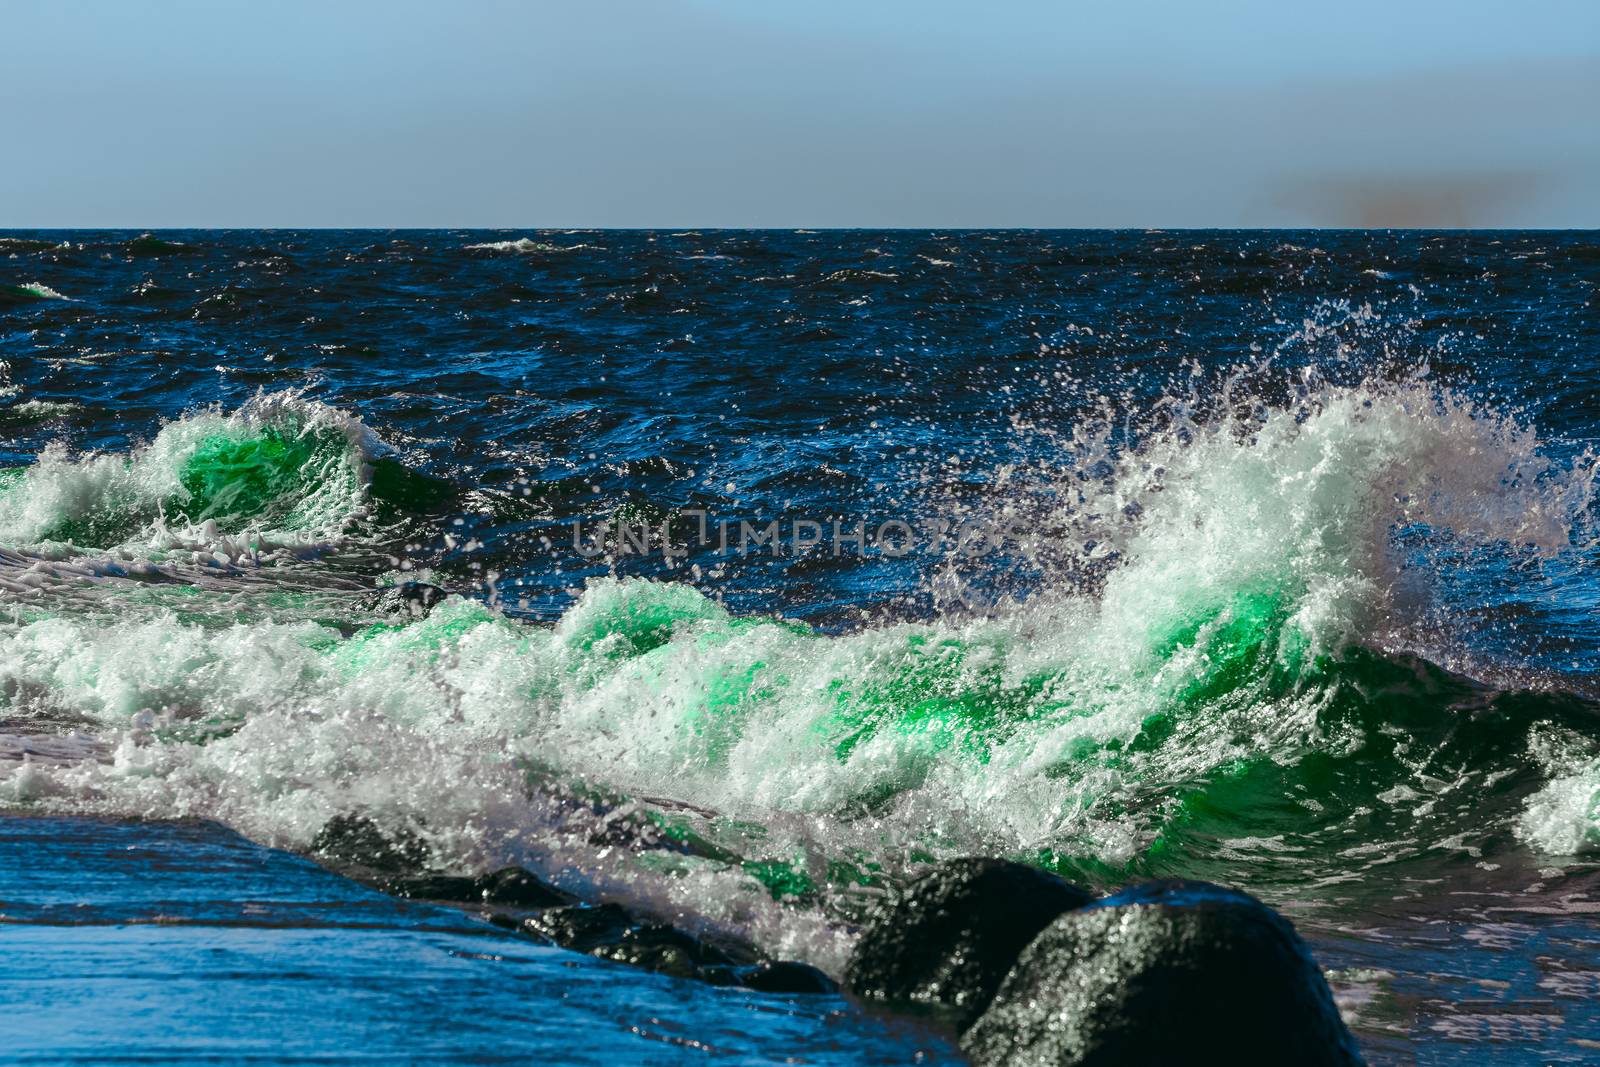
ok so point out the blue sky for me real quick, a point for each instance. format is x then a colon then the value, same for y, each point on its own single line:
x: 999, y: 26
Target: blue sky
x: 825, y: 113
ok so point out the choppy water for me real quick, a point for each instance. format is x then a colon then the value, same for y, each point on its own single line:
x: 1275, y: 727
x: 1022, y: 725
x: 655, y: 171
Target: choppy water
x: 1266, y: 558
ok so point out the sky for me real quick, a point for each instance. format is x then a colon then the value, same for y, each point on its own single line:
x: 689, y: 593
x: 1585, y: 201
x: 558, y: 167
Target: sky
x: 701, y: 113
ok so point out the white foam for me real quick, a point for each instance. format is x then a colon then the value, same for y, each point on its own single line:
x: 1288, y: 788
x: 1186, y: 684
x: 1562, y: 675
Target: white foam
x: 1563, y: 817
x: 998, y: 734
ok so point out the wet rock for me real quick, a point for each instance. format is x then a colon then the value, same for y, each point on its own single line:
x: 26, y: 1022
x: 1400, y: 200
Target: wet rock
x: 409, y: 599
x: 514, y: 887
x: 663, y: 949
x: 718, y: 975
x: 610, y: 932
x: 1169, y: 972
x: 783, y: 976
x: 945, y: 943
x: 357, y: 840
x: 511, y: 887
x: 580, y: 928
x: 457, y: 889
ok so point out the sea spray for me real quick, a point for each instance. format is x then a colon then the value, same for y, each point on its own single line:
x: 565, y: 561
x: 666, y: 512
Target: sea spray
x: 1097, y: 730
x: 1563, y: 817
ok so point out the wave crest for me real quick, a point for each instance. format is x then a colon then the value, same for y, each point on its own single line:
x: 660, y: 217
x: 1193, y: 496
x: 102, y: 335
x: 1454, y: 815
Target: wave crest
x: 281, y: 469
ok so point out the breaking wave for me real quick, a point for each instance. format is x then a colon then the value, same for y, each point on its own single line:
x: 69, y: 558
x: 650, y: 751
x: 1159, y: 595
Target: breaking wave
x: 1238, y: 686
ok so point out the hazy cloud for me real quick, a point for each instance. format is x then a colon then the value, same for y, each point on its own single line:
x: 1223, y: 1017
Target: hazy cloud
x: 1439, y: 201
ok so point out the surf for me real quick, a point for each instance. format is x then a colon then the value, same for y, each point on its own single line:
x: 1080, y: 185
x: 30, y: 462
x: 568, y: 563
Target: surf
x: 1217, y: 700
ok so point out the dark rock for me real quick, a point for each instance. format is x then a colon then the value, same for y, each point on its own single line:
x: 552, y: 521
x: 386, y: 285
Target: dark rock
x: 511, y: 887
x: 945, y: 943
x: 581, y: 928
x: 719, y: 975
x: 1169, y: 972
x: 455, y: 888
x: 356, y: 839
x: 610, y: 932
x: 514, y: 887
x: 410, y: 599
x: 663, y: 949
x: 782, y: 976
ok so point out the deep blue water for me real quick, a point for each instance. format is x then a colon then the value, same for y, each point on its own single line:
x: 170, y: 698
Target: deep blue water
x: 1264, y: 557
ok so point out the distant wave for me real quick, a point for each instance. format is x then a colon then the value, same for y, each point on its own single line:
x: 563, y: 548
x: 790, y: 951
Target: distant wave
x: 29, y: 291
x: 19, y: 245
x: 525, y: 245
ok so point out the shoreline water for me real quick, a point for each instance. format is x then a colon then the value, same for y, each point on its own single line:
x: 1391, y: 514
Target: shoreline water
x: 180, y: 940
x: 75, y: 873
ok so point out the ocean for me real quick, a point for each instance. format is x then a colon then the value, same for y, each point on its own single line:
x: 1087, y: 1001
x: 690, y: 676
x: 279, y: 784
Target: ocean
x: 736, y: 576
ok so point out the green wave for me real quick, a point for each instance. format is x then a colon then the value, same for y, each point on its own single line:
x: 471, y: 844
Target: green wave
x: 281, y: 469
